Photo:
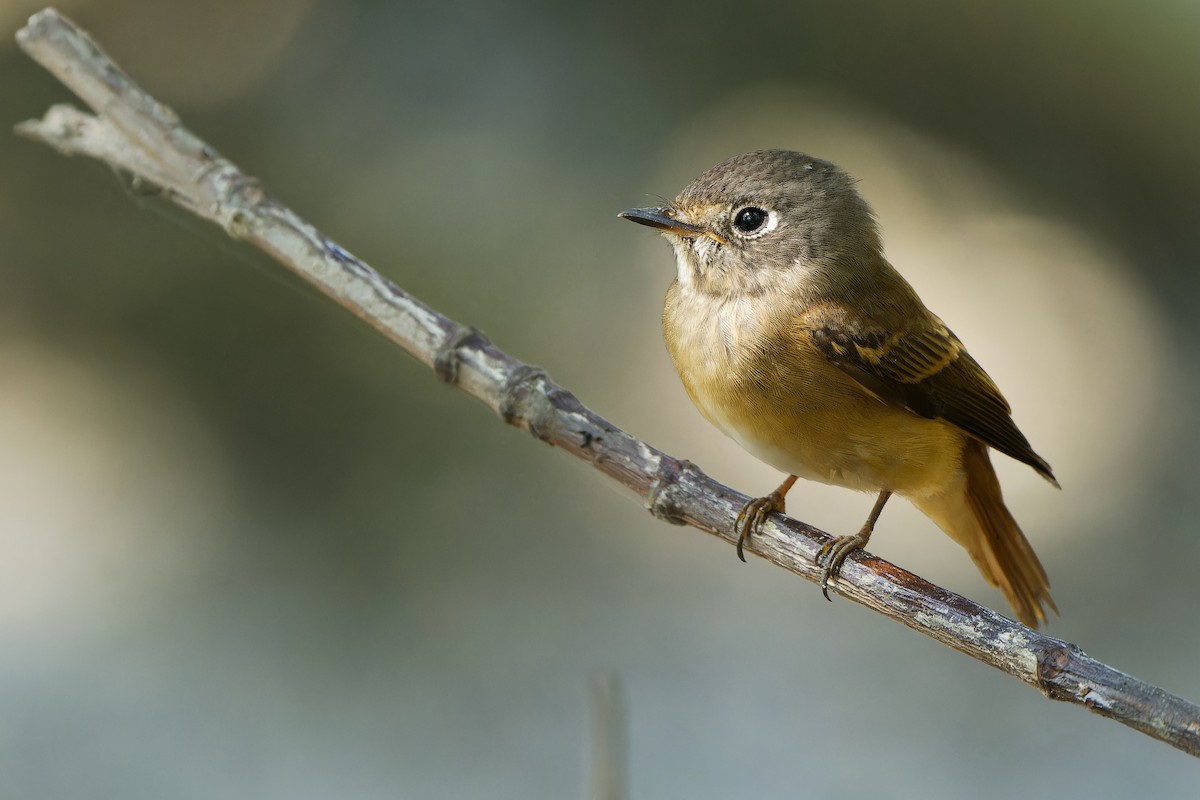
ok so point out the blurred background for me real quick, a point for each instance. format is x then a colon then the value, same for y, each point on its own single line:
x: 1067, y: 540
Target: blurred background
x: 249, y: 549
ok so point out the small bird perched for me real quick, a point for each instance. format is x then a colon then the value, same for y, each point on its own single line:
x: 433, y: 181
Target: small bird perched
x: 795, y: 336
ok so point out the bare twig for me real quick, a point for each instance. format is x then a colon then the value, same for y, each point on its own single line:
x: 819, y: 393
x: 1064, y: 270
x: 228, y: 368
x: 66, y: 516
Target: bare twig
x: 134, y: 132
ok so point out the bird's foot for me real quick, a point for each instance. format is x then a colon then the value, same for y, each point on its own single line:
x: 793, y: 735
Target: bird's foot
x: 834, y: 553
x: 752, y: 516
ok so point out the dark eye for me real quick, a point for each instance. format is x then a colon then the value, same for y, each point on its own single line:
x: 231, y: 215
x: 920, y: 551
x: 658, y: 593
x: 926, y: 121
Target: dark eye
x: 749, y: 219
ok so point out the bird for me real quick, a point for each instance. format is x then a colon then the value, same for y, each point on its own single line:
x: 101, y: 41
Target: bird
x: 794, y: 335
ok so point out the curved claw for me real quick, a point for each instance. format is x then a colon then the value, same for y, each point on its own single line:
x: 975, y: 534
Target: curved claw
x: 752, y: 516
x: 837, y: 551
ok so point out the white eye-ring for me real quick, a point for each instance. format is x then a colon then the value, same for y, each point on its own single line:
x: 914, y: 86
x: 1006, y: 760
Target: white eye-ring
x: 750, y: 222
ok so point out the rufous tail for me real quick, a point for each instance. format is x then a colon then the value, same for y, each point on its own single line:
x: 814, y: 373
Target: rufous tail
x: 979, y: 521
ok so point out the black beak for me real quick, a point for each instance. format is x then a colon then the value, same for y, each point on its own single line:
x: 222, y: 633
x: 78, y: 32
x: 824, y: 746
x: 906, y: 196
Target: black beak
x: 661, y: 218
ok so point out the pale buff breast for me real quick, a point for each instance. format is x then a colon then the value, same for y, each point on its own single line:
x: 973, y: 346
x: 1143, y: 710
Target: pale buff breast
x: 778, y: 398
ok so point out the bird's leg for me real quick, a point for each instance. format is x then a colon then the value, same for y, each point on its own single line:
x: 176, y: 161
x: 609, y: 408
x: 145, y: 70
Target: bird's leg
x: 837, y: 549
x: 754, y: 512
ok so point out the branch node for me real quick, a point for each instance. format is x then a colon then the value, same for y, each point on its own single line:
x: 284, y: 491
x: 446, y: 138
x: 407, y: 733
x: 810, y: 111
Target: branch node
x: 666, y: 492
x: 240, y: 197
x: 524, y: 399
x: 1051, y: 663
x: 449, y: 356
